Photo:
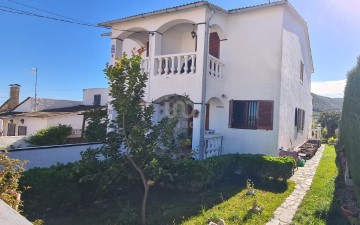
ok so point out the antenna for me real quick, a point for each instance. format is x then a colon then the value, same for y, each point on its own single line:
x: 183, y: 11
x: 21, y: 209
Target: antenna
x: 35, y: 70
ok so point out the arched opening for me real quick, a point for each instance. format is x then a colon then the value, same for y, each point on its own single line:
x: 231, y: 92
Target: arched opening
x: 181, y: 106
x: 134, y: 39
x: 213, y: 107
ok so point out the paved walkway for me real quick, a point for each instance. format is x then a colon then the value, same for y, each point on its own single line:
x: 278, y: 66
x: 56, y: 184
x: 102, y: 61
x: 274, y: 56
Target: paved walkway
x: 303, y: 178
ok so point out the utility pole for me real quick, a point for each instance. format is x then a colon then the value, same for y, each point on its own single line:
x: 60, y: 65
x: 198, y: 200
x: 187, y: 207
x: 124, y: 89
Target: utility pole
x: 35, y: 70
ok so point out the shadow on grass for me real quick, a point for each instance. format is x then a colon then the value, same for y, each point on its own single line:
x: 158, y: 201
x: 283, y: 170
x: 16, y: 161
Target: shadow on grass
x: 335, y: 216
x: 163, y: 206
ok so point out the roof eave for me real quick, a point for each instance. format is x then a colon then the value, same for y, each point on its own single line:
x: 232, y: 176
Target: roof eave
x: 159, y: 12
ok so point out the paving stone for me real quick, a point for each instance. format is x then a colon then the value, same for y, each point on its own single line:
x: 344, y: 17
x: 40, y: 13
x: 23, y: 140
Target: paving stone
x: 303, y: 179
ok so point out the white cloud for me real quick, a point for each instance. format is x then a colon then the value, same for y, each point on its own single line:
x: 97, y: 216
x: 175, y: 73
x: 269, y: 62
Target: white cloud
x: 333, y: 89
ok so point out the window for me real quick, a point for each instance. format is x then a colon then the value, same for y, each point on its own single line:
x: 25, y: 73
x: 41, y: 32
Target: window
x: 97, y: 99
x: 251, y: 114
x: 22, y: 130
x: 299, y: 119
x: 301, y: 71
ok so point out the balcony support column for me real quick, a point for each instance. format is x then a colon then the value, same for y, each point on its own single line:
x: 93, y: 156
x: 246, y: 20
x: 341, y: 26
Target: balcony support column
x: 116, y: 50
x: 154, y: 50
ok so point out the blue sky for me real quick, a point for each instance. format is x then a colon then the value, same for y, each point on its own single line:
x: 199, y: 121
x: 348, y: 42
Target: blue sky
x: 70, y: 57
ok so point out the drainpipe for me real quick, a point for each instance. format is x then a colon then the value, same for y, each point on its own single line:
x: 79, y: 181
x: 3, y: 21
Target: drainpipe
x: 203, y: 86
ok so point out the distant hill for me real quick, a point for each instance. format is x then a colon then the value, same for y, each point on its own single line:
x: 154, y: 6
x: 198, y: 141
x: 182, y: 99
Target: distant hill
x: 324, y: 104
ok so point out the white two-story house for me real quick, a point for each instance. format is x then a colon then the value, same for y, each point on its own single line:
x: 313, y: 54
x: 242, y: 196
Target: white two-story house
x: 242, y: 76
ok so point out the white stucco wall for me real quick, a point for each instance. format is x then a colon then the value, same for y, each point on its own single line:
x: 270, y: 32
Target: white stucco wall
x: 252, y: 72
x: 88, y: 95
x: 294, y: 92
x: 33, y: 124
x: 72, y: 119
x: 46, y: 157
x: 177, y: 39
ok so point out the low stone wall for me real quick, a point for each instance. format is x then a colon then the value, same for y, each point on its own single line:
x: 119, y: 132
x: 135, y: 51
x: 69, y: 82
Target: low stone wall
x: 47, y: 156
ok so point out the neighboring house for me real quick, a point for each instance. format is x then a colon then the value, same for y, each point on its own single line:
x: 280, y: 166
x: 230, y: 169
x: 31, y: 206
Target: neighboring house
x: 26, y: 119
x: 246, y: 73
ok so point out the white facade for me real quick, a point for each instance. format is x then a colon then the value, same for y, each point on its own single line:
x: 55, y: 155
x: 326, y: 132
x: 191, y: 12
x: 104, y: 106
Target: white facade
x: 51, y: 112
x: 90, y: 93
x: 260, y: 53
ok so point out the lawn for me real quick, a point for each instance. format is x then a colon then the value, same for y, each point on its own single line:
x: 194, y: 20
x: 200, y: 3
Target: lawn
x: 319, y: 205
x: 226, y: 200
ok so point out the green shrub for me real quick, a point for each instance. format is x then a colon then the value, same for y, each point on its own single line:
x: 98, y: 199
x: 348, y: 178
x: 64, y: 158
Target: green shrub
x: 57, y: 189
x: 193, y: 175
x: 53, y: 135
x: 350, y: 124
x: 332, y: 141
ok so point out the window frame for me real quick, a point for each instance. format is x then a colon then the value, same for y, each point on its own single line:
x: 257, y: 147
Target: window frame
x: 95, y: 97
x: 302, y: 71
x: 299, y: 119
x: 263, y: 110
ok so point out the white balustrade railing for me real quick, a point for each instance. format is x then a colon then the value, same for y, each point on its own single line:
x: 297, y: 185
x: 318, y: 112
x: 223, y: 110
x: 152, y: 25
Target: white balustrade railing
x: 145, y: 65
x: 215, y: 67
x: 176, y: 64
x: 76, y: 131
x: 213, y: 145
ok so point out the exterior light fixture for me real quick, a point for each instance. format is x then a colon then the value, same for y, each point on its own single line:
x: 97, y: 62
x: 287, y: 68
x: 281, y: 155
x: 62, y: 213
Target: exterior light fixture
x: 22, y: 120
x: 193, y: 33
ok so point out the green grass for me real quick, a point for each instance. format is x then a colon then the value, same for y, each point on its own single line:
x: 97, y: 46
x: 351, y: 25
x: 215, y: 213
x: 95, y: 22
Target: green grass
x: 226, y: 200
x: 235, y: 210
x: 319, y: 205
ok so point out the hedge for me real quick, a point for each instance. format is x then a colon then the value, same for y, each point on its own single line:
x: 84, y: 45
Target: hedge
x: 63, y: 187
x: 350, y: 124
x: 191, y: 175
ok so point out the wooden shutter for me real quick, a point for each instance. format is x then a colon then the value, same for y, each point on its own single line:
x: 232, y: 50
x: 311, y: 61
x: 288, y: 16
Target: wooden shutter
x: 265, y: 121
x: 214, y: 45
x: 299, y: 113
x: 22, y: 130
x: 302, y: 119
x: 231, y: 111
x: 11, y: 129
x: 296, y: 116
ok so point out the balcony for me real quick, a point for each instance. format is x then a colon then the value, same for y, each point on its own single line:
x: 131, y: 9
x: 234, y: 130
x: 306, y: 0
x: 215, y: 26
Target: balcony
x: 180, y: 64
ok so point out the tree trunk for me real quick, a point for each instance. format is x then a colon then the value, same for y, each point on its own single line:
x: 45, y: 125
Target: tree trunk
x: 143, y: 208
x: 146, y: 190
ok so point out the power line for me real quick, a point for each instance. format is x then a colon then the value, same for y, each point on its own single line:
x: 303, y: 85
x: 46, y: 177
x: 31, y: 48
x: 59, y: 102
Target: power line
x: 42, y: 10
x: 68, y: 20
x: 21, y: 12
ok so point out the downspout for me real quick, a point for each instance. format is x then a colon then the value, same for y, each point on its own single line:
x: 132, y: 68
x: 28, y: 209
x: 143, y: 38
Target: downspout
x: 203, y: 86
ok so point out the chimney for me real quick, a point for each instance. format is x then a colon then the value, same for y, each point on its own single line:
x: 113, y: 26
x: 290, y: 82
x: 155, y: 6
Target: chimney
x: 14, y: 96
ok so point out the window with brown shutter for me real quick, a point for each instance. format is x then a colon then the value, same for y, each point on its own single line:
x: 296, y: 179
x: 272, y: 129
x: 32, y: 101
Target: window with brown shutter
x: 299, y: 119
x: 22, y: 130
x: 265, y: 121
x: 301, y: 71
x: 251, y: 114
x: 214, y: 45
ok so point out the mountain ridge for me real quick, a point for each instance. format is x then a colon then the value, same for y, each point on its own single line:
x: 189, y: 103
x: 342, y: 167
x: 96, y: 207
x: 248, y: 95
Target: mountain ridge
x: 325, y: 104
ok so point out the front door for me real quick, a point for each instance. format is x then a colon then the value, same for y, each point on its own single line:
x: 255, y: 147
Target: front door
x: 11, y: 129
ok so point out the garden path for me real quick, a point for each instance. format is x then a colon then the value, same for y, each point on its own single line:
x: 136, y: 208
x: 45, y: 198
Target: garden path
x: 303, y: 178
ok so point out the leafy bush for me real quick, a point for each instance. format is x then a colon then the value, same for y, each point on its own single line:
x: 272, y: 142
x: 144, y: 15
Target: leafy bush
x: 57, y: 189
x: 53, y: 135
x: 10, y: 172
x: 350, y: 124
x: 332, y: 141
x: 191, y: 175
